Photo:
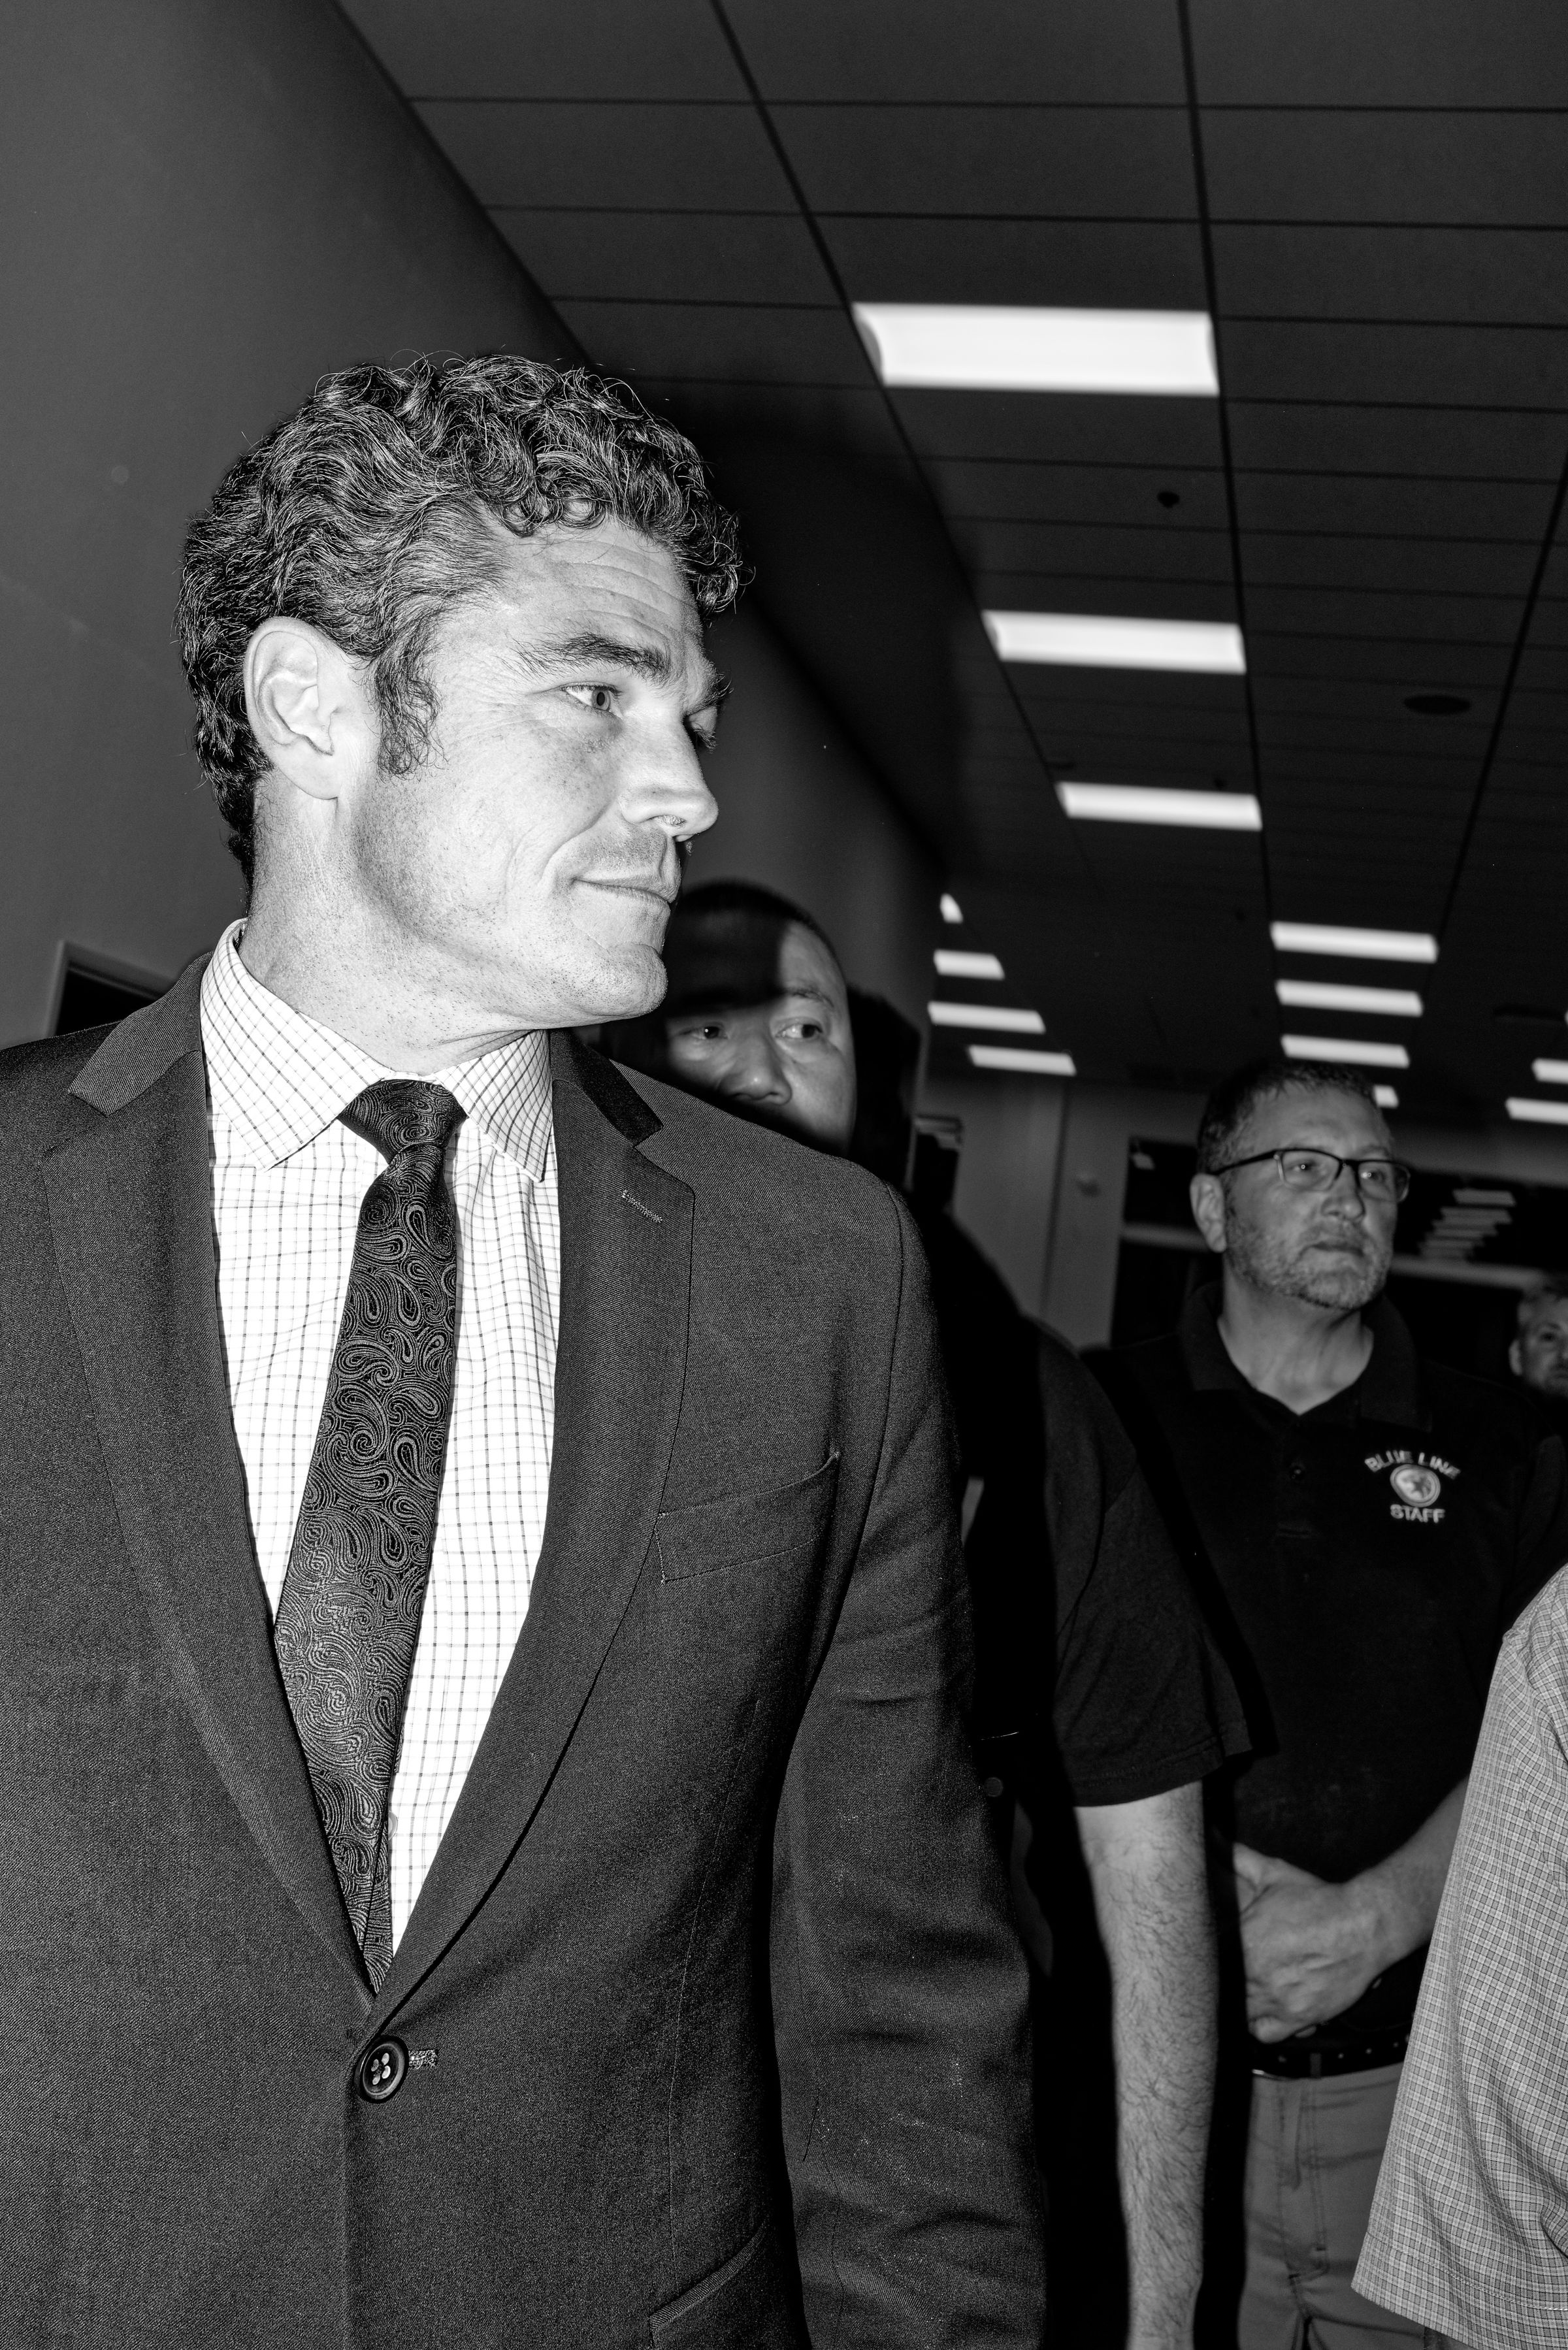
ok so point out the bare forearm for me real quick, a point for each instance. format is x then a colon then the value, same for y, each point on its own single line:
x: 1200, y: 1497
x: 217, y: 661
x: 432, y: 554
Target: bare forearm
x: 1402, y: 1893
x: 1145, y: 1863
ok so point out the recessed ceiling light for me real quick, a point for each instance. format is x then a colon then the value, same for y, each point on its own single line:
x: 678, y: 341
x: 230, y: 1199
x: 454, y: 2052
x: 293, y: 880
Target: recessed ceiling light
x: 1537, y: 1113
x: 1101, y: 640
x: 1354, y: 1051
x: 1549, y: 1072
x: 951, y: 912
x: 1386, y: 1098
x: 1437, y: 705
x: 1015, y: 1056
x: 1154, y: 803
x: 958, y: 962
x: 1328, y: 996
x: 972, y: 347
x: 986, y: 1015
x: 1360, y: 946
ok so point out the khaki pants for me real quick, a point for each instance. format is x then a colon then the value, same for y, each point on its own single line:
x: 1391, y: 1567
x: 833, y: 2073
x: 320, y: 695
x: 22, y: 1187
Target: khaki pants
x: 1313, y: 2152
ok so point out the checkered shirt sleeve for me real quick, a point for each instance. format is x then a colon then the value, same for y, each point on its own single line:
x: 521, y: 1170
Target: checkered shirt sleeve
x: 1470, y: 2225
x: 287, y: 1184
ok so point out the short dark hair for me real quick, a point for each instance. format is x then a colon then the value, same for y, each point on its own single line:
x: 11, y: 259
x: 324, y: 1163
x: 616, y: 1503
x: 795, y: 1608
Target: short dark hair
x: 749, y: 899
x: 1235, y: 1097
x: 364, y: 514
x: 1549, y: 1290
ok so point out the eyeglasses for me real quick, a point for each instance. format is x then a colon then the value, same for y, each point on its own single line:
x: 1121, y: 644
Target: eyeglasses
x: 1382, y: 1179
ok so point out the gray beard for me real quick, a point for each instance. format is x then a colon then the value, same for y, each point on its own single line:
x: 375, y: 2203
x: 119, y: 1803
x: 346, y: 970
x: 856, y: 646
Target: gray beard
x: 1286, y: 1268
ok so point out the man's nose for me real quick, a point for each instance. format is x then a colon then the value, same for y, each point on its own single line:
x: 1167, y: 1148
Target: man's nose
x: 670, y: 789
x: 1345, y: 1195
x: 755, y: 1072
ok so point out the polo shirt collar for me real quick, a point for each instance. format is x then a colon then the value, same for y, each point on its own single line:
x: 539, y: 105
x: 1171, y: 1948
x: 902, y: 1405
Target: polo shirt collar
x: 277, y: 1078
x: 1390, y: 1389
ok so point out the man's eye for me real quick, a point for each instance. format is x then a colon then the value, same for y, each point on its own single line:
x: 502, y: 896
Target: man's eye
x: 806, y: 1032
x: 593, y: 697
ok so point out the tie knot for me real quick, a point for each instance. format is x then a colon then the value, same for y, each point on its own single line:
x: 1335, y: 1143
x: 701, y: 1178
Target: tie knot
x: 401, y: 1113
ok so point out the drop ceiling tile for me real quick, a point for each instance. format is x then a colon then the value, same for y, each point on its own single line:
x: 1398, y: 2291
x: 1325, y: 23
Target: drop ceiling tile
x: 1074, y: 52
x: 1387, y: 565
x: 1397, y: 437
x: 1024, y: 162
x: 588, y: 49
x: 668, y: 256
x: 1477, y: 366
x: 997, y: 490
x: 1413, y: 665
x: 1278, y: 164
x: 1439, y: 53
x: 1427, y: 508
x: 664, y: 157
x: 1477, y: 277
x: 1340, y: 612
x: 1061, y: 428
x: 720, y: 342
x: 1142, y: 599
x: 1089, y: 265
x: 782, y: 418
x: 1081, y: 551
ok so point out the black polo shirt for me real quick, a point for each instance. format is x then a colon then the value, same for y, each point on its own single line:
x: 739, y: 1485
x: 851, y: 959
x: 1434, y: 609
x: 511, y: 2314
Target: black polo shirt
x: 1093, y: 1664
x: 1360, y: 1563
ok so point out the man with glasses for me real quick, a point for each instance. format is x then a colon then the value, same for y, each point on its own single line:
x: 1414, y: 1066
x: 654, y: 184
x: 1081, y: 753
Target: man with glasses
x: 1364, y: 1526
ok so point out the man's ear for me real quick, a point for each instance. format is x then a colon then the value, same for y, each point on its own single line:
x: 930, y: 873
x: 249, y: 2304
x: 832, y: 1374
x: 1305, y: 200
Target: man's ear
x: 1515, y: 1359
x: 310, y: 706
x: 1207, y: 1197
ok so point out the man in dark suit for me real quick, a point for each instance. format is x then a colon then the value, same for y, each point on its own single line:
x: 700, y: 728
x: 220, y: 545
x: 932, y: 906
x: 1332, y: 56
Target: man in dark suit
x: 491, y: 1852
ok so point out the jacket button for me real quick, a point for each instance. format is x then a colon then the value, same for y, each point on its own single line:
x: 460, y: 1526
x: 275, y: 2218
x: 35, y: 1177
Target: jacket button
x: 381, y: 2069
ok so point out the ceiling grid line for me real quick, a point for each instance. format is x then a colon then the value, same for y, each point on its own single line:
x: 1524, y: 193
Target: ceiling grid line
x: 1533, y: 598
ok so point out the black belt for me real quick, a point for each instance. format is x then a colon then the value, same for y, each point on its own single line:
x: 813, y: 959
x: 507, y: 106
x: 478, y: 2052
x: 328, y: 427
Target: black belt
x: 1289, y: 2061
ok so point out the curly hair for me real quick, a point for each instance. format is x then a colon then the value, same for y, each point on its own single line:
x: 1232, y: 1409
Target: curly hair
x: 1233, y: 1100
x: 366, y: 514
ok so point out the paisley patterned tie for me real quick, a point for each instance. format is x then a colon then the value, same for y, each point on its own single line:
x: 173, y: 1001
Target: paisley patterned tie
x: 348, y: 1615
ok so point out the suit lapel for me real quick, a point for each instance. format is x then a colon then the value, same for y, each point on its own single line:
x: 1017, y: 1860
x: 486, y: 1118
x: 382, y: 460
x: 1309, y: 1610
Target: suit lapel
x: 129, y: 1193
x: 626, y: 1256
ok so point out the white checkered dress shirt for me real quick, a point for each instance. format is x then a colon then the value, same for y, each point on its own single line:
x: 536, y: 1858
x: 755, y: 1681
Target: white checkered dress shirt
x: 287, y: 1184
x: 1469, y: 2232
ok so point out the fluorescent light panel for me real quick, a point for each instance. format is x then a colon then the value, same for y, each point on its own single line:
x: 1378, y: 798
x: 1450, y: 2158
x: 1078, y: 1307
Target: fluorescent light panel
x: 958, y: 962
x: 1328, y: 996
x: 1359, y: 946
x: 1386, y: 1098
x: 1357, y: 1051
x: 951, y: 912
x: 976, y: 347
x: 1549, y: 1072
x: 1154, y: 803
x: 1537, y: 1113
x: 1014, y: 1056
x: 986, y: 1015
x: 1100, y: 640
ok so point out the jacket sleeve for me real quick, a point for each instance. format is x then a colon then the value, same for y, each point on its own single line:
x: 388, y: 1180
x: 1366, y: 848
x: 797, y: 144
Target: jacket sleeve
x: 900, y: 1993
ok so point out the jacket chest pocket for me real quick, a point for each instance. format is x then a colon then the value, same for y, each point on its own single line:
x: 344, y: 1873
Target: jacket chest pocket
x: 742, y: 1530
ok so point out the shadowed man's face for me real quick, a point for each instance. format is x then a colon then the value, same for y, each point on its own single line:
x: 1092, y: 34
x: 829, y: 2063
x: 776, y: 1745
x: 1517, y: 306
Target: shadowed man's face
x: 1539, y: 1356
x: 757, y: 1018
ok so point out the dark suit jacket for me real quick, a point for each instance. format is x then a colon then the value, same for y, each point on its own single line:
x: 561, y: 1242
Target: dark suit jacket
x: 722, y: 2029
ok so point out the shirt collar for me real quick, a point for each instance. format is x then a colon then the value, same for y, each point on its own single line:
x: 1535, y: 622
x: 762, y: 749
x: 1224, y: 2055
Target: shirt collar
x: 277, y: 1078
x: 1390, y: 1387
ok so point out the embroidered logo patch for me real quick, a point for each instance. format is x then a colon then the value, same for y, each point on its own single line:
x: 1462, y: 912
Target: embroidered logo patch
x: 1418, y: 1482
